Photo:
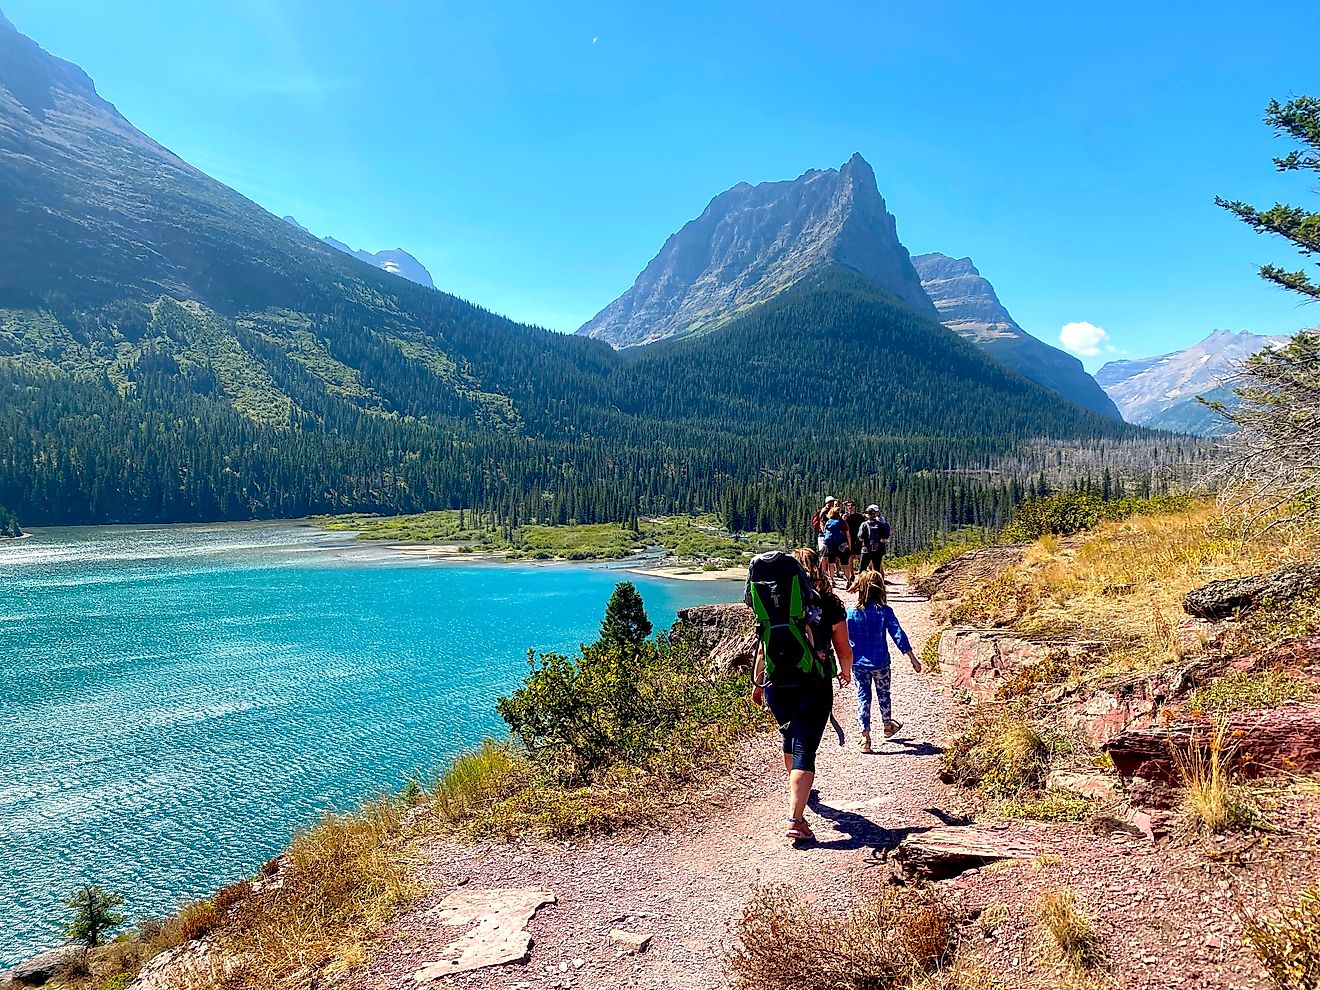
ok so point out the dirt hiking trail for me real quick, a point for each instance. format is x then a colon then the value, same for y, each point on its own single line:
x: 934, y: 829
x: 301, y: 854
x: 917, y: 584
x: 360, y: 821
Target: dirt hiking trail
x: 682, y: 885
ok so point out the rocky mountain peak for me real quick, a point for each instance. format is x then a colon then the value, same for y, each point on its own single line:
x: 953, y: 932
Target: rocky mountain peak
x: 968, y: 306
x: 396, y: 261
x: 752, y: 242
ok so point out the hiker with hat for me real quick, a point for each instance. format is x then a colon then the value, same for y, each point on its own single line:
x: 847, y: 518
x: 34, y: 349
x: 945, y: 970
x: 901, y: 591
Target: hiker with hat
x: 798, y: 620
x: 818, y: 522
x: 873, y: 535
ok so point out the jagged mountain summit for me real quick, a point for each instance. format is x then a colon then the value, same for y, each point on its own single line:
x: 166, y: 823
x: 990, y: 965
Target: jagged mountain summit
x: 396, y: 261
x: 753, y: 242
x: 1161, y: 391
x: 968, y: 305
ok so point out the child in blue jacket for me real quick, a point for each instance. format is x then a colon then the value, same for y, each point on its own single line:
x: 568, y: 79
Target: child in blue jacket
x: 868, y: 624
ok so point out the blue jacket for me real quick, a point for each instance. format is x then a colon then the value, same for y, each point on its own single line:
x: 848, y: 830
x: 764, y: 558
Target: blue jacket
x: 866, y: 631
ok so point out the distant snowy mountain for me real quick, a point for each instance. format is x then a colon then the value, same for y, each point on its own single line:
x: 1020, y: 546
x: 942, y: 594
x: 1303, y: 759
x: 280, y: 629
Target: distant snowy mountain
x: 396, y: 262
x: 1161, y: 391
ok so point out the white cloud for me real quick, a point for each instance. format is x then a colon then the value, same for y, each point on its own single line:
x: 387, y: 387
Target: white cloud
x: 1085, y: 339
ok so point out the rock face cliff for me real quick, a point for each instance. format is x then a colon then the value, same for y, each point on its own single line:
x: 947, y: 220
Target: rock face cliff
x: 968, y: 305
x: 1161, y: 391
x: 751, y: 243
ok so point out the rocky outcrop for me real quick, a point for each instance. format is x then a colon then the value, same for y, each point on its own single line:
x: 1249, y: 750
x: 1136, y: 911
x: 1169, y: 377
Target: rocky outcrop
x: 726, y: 632
x: 981, y: 662
x: 968, y: 306
x: 1225, y: 599
x: 753, y: 242
x: 42, y: 969
x: 1264, y: 743
x: 968, y: 571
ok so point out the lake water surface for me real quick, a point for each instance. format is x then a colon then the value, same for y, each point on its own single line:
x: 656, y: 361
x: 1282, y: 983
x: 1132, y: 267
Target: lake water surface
x: 175, y: 701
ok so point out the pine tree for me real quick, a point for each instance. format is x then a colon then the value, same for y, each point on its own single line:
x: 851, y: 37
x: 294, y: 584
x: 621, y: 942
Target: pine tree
x: 94, y: 915
x: 625, y: 619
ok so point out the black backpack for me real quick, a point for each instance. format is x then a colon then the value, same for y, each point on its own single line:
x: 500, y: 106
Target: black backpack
x: 784, y: 599
x: 874, y: 533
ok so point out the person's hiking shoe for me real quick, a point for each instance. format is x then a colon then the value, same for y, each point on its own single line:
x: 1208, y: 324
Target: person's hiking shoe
x: 798, y: 831
x: 891, y: 728
x: 865, y: 742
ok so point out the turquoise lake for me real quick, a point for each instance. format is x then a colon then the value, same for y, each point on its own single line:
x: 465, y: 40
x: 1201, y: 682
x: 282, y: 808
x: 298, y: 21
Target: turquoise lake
x: 175, y: 701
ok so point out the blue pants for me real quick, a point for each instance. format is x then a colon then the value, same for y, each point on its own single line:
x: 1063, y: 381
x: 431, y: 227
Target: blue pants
x: 865, y: 678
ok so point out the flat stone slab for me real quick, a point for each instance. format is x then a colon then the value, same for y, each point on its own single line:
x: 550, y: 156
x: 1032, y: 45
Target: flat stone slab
x: 498, y: 935
x: 940, y: 853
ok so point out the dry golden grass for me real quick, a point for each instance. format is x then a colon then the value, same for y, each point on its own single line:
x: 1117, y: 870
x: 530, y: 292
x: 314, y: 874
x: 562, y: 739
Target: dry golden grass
x: 1123, y: 582
x: 1287, y: 941
x: 1212, y: 800
x: 339, y: 880
x: 1071, y: 931
x: 892, y: 940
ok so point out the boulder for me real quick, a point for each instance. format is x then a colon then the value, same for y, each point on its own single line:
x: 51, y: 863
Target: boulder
x: 968, y: 571
x: 40, y: 970
x: 1224, y: 599
x: 726, y: 632
x: 497, y: 933
x: 1269, y: 742
x: 197, y: 963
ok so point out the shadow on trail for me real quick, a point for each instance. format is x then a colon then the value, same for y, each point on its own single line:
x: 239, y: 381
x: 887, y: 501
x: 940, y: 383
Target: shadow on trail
x: 859, y: 832
x: 907, y: 748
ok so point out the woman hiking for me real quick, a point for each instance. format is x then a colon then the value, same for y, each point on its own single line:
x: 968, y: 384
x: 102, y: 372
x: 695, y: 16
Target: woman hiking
x: 802, y: 703
x: 869, y: 622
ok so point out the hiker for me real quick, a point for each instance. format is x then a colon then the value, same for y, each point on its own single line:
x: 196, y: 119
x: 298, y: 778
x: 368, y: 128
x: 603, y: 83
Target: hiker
x: 799, y: 618
x: 853, y: 520
x: 874, y: 538
x: 868, y: 624
x: 835, y: 543
x: 818, y: 522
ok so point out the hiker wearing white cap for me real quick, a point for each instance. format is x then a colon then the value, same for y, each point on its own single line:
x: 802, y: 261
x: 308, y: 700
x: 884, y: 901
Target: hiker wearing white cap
x: 818, y: 522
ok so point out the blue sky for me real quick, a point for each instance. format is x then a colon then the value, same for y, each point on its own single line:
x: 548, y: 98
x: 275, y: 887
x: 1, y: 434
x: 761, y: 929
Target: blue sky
x: 536, y: 158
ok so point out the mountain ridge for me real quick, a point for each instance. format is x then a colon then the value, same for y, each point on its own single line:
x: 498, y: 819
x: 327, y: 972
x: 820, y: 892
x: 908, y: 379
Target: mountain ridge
x: 1160, y: 391
x: 396, y: 261
x: 969, y: 306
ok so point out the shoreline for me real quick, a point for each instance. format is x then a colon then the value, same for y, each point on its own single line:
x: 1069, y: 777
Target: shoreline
x: 671, y: 568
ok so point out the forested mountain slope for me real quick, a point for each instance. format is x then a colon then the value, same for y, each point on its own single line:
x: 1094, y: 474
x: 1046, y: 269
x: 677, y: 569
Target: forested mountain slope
x: 171, y: 351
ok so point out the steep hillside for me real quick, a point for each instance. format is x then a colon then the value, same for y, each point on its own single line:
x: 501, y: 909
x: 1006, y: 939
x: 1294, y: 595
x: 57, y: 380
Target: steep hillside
x: 1161, y: 391
x: 753, y: 242
x: 968, y: 305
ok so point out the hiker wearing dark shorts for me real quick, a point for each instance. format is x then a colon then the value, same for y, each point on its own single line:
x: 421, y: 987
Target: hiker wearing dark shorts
x: 802, y: 702
x: 873, y: 535
x: 852, y: 520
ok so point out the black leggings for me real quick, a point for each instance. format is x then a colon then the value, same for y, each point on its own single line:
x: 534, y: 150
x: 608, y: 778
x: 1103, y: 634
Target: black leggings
x: 801, y: 711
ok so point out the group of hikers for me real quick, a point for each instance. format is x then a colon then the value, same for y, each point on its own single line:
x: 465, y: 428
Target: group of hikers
x: 844, y: 535
x: 807, y: 638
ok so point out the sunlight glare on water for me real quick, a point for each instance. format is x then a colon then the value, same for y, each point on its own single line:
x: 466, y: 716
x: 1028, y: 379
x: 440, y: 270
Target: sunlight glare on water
x: 175, y: 701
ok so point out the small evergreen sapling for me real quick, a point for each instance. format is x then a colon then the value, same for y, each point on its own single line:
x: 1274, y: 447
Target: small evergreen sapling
x: 94, y: 915
x: 625, y: 621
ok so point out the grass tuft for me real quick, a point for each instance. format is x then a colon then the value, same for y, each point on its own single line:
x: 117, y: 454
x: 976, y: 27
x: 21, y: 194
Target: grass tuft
x: 1000, y: 752
x: 1212, y: 801
x: 890, y: 940
x: 1051, y: 806
x: 1072, y: 932
x: 1287, y: 941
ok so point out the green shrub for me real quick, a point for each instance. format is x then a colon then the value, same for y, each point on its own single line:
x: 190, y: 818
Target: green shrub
x: 1065, y: 513
x: 1052, y: 806
x: 930, y: 653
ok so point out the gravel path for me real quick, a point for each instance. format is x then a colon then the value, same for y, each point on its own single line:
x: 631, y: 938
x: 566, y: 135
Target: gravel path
x: 685, y: 884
